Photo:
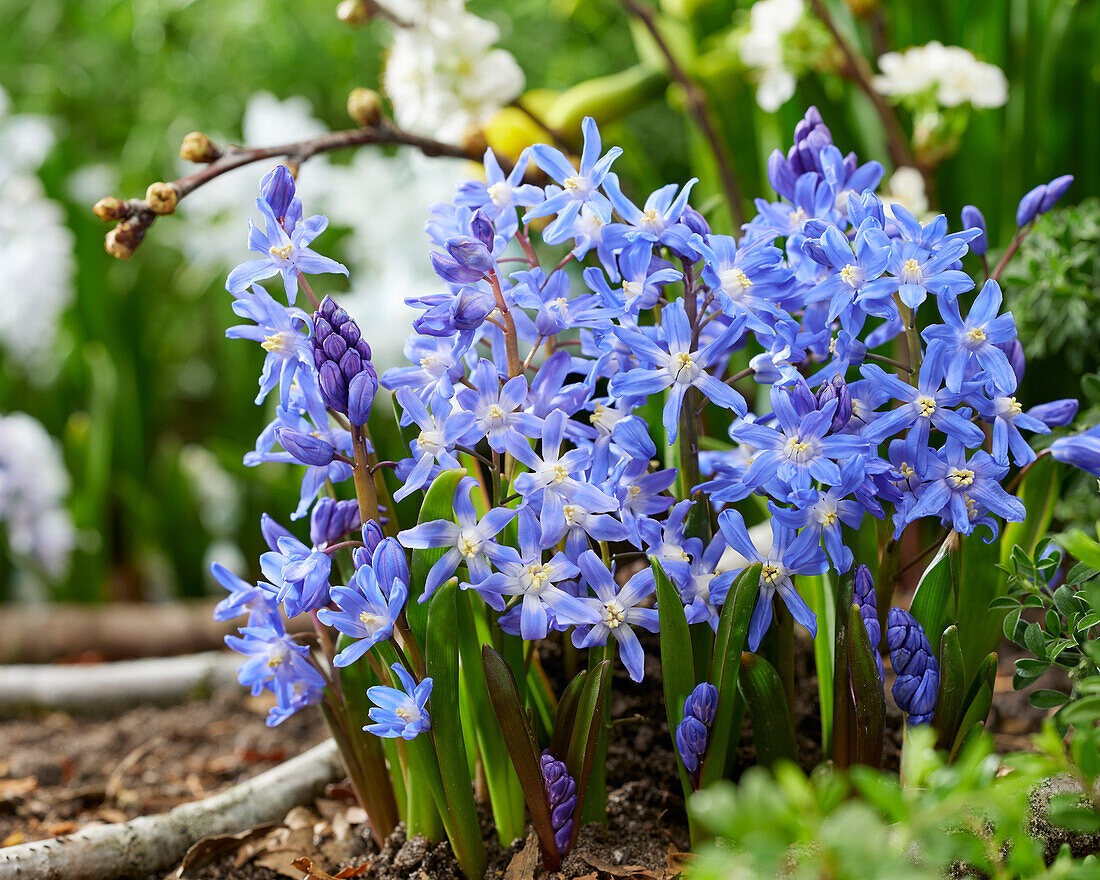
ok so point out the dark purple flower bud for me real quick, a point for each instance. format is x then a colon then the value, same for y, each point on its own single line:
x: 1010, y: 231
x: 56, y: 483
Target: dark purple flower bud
x: 452, y: 271
x: 691, y: 742
x: 1055, y: 190
x: 331, y: 520
x: 341, y: 355
x: 867, y: 600
x: 305, y: 447
x: 972, y: 218
x: 695, y: 221
x: 482, y: 230
x: 918, y: 673
x: 361, y: 391
x: 1029, y: 205
x: 471, y: 253
x: 1056, y: 413
x: 561, y: 792
x: 702, y: 703
x: 272, y: 531
x: 1015, y: 353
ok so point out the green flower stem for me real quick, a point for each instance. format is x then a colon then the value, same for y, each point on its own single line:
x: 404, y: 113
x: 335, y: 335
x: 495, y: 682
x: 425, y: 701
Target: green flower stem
x: 595, y: 799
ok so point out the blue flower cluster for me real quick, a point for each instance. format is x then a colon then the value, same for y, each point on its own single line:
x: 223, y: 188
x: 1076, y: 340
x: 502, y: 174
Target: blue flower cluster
x: 554, y: 378
x: 321, y: 367
x: 558, y: 375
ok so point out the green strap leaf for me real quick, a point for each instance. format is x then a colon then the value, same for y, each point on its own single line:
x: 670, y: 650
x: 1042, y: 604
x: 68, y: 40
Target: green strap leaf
x: 766, y: 701
x: 725, y: 664
x: 952, y: 693
x: 933, y: 603
x: 677, y: 664
x: 441, y: 658
x: 978, y: 702
x: 519, y: 739
x: 868, y: 697
x: 588, y: 726
x: 843, y: 710
x: 565, y: 717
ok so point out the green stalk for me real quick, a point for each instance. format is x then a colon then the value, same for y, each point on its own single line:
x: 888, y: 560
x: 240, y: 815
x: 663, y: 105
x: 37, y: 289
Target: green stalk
x: 784, y: 650
x: 843, y: 710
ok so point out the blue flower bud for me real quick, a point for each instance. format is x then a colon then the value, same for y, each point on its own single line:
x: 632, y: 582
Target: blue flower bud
x: 471, y: 253
x: 305, y: 447
x: 361, y: 391
x: 836, y: 389
x: 331, y: 520
x: 390, y: 563
x: 1056, y: 413
x: 702, y: 703
x: 453, y: 271
x: 1055, y: 190
x: 867, y: 600
x: 482, y: 230
x: 918, y: 674
x: 1081, y: 450
x: 691, y: 742
x: 277, y: 189
x: 471, y: 307
x: 1029, y: 205
x: 972, y: 218
x: 695, y: 221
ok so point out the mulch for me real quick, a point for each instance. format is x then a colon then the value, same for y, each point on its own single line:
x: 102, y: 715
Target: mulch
x: 58, y: 773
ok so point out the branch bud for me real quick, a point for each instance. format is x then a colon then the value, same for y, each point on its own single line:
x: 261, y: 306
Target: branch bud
x: 197, y: 147
x: 111, y: 208
x: 353, y: 12
x: 123, y: 240
x: 162, y: 197
x: 365, y: 107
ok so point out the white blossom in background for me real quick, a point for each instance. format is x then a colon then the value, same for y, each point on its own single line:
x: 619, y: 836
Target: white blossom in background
x: 382, y: 199
x: 36, y: 248
x: 906, y: 188
x: 444, y: 76
x: 33, y: 488
x: 951, y: 74
x: 761, y: 50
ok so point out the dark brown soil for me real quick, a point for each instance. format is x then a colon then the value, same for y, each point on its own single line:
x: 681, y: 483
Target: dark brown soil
x: 150, y: 759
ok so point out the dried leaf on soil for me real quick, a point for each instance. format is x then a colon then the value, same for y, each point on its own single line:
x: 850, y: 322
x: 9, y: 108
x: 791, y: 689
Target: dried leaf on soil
x: 209, y: 849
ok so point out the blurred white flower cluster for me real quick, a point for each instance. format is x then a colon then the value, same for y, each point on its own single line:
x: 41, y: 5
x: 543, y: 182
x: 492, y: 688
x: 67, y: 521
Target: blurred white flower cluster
x: 33, y: 488
x: 36, y: 248
x: 950, y: 74
x: 382, y: 199
x: 762, y: 50
x: 443, y: 74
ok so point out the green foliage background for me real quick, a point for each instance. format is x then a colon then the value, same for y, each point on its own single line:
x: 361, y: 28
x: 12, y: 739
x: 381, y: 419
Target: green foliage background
x: 125, y: 80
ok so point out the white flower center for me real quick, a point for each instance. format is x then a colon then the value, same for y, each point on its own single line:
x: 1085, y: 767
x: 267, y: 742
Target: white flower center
x: 683, y: 367
x: 911, y: 272
x: 975, y: 336
x: 852, y: 276
x: 960, y: 478
x: 926, y: 406
x: 469, y: 544
x: 613, y: 613
x: 798, y: 450
x: 281, y: 251
x: 282, y: 342
x: 501, y: 194
x: 734, y: 280
x: 633, y: 289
